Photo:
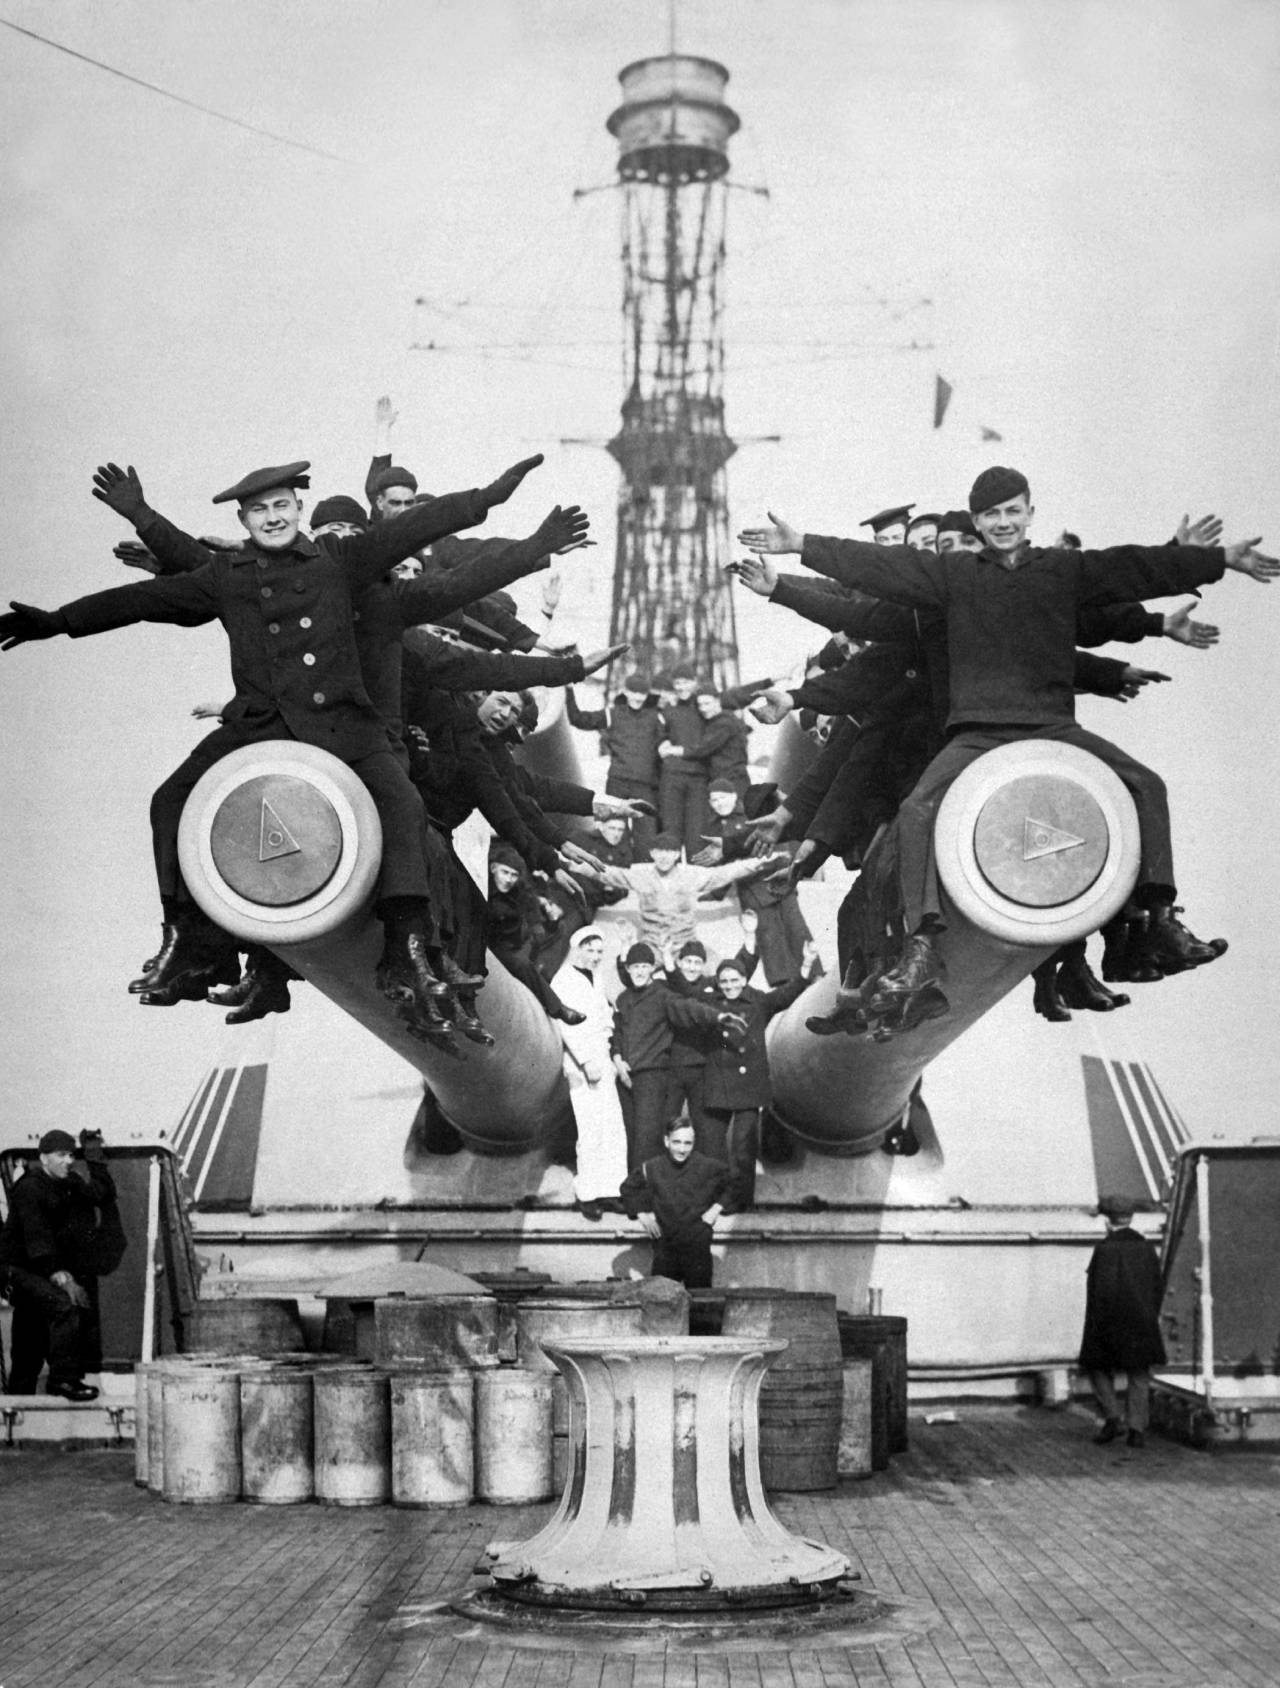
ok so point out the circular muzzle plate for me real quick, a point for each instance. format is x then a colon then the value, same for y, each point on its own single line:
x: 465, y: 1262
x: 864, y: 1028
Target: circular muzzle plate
x: 1037, y: 842
x: 280, y: 842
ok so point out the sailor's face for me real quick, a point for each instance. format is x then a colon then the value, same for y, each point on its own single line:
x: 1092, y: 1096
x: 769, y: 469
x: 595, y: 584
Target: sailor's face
x: 640, y: 973
x: 614, y: 831
x: 591, y: 953
x: 340, y: 530
x: 499, y: 711
x: 708, y: 706
x: 664, y: 860
x: 892, y: 534
x: 691, y: 967
x: 57, y: 1162
x: 684, y: 687
x: 409, y: 569
x: 722, y: 803
x: 504, y: 877
x: 950, y: 541
x: 731, y: 983
x: 923, y: 537
x: 680, y: 1143
x: 395, y: 501
x: 1004, y: 526
x: 272, y: 518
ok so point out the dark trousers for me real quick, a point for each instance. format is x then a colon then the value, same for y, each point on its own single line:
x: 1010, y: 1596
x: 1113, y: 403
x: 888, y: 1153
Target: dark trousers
x: 683, y: 801
x: 647, y: 1117
x: 404, y: 824
x: 686, y: 1092
x: 733, y: 1136
x: 47, y: 1325
x: 687, y: 1259
x: 918, y: 866
x: 643, y: 827
x: 780, y: 937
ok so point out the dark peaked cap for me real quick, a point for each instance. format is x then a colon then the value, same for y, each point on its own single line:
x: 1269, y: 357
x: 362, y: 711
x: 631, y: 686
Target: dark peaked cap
x: 262, y: 480
x: 885, y: 518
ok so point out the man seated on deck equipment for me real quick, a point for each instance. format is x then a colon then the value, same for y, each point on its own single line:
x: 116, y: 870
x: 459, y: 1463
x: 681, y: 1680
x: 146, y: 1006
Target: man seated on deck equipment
x: 1011, y: 613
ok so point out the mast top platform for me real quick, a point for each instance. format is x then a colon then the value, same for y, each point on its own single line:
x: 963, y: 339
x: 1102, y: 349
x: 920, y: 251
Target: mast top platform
x: 673, y: 126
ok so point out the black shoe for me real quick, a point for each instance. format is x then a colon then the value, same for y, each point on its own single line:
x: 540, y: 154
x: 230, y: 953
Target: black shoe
x: 1169, y: 946
x: 1079, y: 987
x: 927, y: 1004
x: 1135, y: 1439
x: 1110, y: 1430
x: 562, y: 1011
x: 1123, y: 952
x: 193, y: 985
x: 75, y: 1391
x: 1047, y: 1001
x: 590, y: 1210
x: 267, y: 994
x: 404, y: 977
x: 191, y: 945
x: 230, y: 996
x: 138, y: 985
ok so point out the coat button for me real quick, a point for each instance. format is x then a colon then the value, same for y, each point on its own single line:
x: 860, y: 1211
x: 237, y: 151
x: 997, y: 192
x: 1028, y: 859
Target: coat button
x: 309, y: 660
x: 305, y: 622
x: 273, y: 627
x: 299, y: 585
x: 355, y: 615
x: 266, y: 591
x: 911, y: 673
x: 317, y: 697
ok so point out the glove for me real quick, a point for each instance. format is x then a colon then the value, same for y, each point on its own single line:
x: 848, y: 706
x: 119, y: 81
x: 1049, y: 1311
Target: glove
x: 121, y: 490
x: 25, y: 624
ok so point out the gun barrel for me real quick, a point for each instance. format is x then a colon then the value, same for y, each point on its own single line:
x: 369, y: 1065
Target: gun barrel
x: 280, y: 844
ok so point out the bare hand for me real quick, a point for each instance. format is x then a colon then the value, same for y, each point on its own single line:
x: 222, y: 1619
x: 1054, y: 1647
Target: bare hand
x: 208, y: 711
x: 602, y: 659
x: 498, y: 492
x: 778, y: 539
x: 1134, y: 679
x: 1198, y: 634
x: 135, y: 555
x: 1245, y: 560
x: 569, y: 885
x: 623, y: 1071
x: 552, y: 587
x: 1206, y: 531
x: 574, y: 853
x: 766, y: 832
x: 26, y: 624
x: 216, y: 542
x: 562, y: 529
x: 651, y: 1226
x: 756, y: 575
x: 630, y: 808
x: 750, y: 922
x: 711, y: 855
x: 383, y: 414
x: 121, y: 490
x: 771, y: 706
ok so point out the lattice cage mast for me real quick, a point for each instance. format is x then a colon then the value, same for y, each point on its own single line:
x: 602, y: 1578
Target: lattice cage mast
x: 671, y: 598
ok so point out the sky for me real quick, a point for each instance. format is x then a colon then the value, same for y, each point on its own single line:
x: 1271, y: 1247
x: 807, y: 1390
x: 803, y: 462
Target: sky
x: 1066, y: 208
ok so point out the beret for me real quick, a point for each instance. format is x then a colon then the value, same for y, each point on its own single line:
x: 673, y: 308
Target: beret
x: 339, y: 509
x: 886, y: 518
x: 693, y: 947
x: 394, y: 476
x: 995, y: 486
x: 54, y: 1140
x: 503, y: 855
x: 684, y: 671
x: 264, y: 480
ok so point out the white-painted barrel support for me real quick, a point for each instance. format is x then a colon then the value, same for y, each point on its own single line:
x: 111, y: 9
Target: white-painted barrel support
x: 1037, y: 844
x: 280, y: 844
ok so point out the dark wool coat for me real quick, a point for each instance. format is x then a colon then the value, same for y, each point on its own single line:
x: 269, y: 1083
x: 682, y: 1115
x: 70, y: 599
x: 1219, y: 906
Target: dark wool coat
x: 1121, y: 1316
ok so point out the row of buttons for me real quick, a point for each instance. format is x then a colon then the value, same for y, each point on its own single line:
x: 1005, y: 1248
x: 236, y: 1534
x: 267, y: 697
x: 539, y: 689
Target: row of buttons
x: 274, y: 626
x: 270, y: 591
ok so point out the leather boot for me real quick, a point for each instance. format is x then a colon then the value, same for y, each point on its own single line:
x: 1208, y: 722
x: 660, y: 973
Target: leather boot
x: 404, y: 977
x: 454, y: 977
x: 168, y: 935
x: 1079, y: 987
x: 195, y: 955
x: 1123, y: 957
x: 268, y: 991
x: 1169, y: 946
x: 919, y: 968
x: 468, y: 1022
x: 231, y: 996
x: 1047, y: 1001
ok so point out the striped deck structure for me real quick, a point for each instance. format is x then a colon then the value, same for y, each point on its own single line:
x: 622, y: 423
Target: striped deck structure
x: 1029, y: 1557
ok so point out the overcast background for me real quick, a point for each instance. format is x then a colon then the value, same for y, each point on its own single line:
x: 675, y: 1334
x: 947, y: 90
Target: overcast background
x: 1068, y: 209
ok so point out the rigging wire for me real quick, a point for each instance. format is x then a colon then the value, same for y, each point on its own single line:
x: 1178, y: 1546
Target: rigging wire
x: 178, y: 99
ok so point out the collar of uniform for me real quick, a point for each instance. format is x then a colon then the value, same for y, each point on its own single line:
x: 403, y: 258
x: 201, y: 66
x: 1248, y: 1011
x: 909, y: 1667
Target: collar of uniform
x: 1025, y: 554
x: 253, y: 553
